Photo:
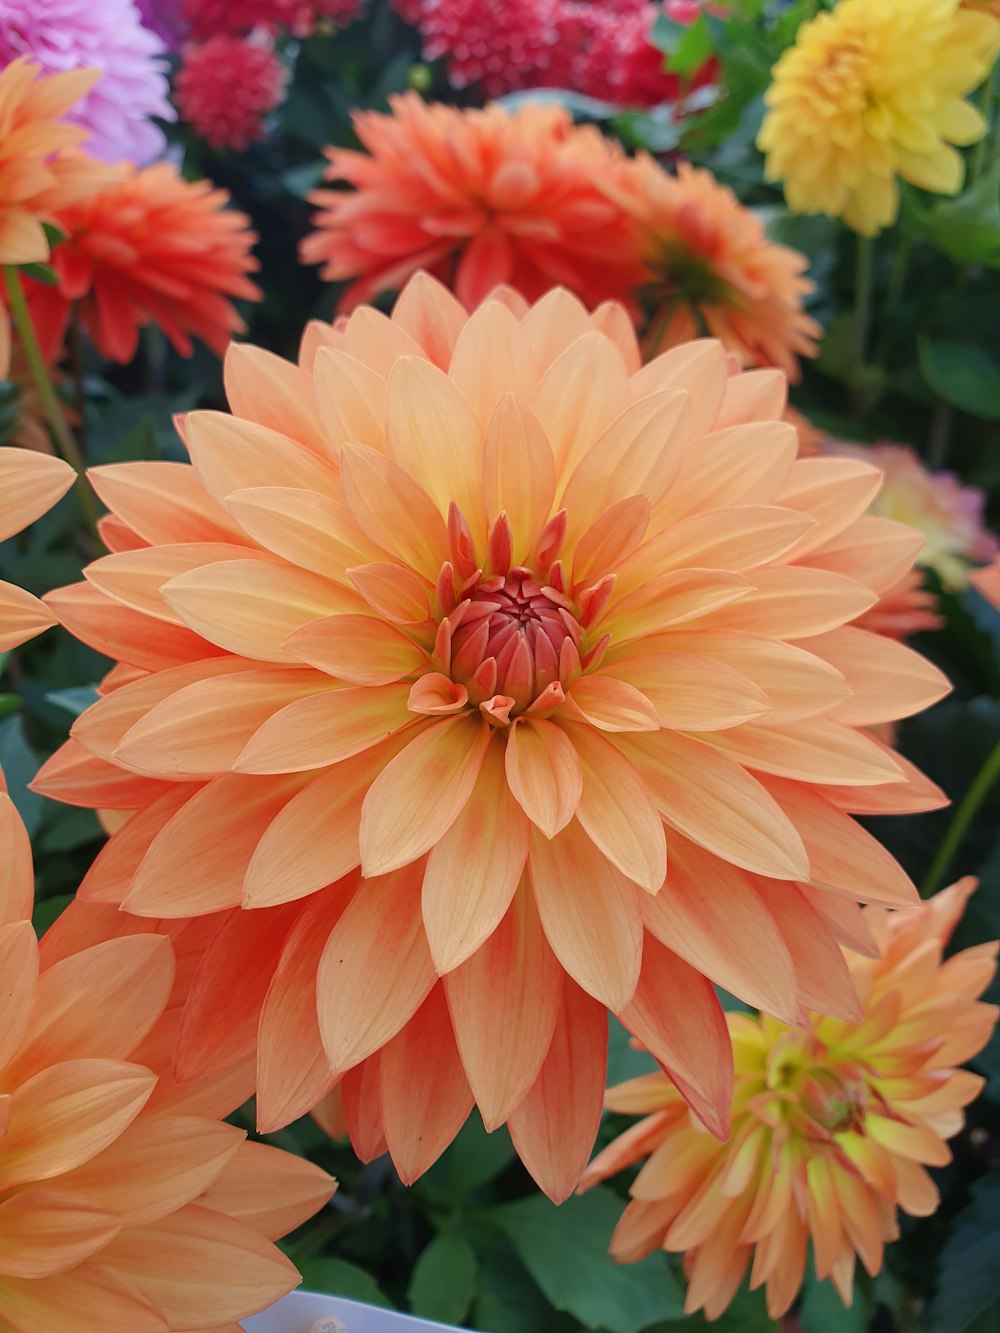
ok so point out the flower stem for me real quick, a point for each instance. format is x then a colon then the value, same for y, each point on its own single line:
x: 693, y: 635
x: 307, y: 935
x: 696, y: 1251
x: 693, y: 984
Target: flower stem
x: 65, y: 442
x: 964, y: 814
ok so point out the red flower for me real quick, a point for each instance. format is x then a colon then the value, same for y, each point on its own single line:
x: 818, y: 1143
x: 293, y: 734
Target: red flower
x: 209, y: 18
x: 225, y: 87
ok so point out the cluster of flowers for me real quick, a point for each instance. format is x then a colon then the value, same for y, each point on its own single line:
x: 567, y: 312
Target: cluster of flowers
x: 600, y: 48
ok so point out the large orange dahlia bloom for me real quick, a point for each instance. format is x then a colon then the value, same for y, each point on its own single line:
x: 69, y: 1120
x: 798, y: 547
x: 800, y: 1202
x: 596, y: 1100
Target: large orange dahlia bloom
x: 41, y: 169
x: 710, y: 268
x: 834, y: 1124
x: 119, y: 1208
x: 153, y: 248
x: 440, y: 645
x: 476, y: 197
x: 30, y: 484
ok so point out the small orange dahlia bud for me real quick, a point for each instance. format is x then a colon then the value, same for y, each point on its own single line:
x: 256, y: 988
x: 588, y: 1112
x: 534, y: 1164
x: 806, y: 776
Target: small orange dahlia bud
x: 834, y: 1123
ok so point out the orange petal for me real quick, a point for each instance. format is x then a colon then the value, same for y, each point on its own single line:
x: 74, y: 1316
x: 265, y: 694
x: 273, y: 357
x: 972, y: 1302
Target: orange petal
x: 17, y: 880
x: 362, y: 1004
x: 163, y: 502
x: 431, y: 315
x: 88, y: 1298
x: 492, y: 359
x: 613, y: 705
x: 393, y: 510
x: 810, y: 751
x: 676, y: 1016
x: 504, y: 1002
x: 580, y: 394
x: 753, y: 395
x: 699, y: 368
x: 713, y: 801
x: 519, y: 476
x: 674, y: 599
x: 200, y: 730
x: 310, y: 530
x: 67, y: 1114
x: 610, y: 539
x: 474, y: 869
x: 689, y: 692
x: 351, y: 400
x: 136, y: 578
x: 823, y: 978
x: 269, y: 391
x: 197, y: 862
x: 22, y: 616
x: 392, y: 591
x: 789, y: 602
x: 554, y: 1127
x: 888, y: 680
x: 293, y: 1073
x: 421, y: 792
x: 360, y: 1094
x: 590, y: 914
x: 110, y: 876
x: 875, y: 551
x: 832, y: 491
x: 252, y: 607
x: 359, y: 649
x: 270, y: 1191
x: 201, y: 1267
x: 326, y: 728
x: 616, y: 811
x: 710, y: 914
x: 123, y: 634
x: 739, y: 465
x: 230, y: 455
x: 19, y: 969
x: 426, y: 1096
x: 30, y: 484
x: 45, y: 1231
x: 544, y: 773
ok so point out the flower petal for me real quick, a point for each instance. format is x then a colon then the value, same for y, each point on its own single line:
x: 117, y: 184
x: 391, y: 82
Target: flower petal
x: 811, y: 751
x: 30, y: 484
x: 268, y: 1190
x: 544, y: 773
x: 325, y: 729
x: 22, y: 616
x: 19, y: 969
x: 87, y: 1298
x: 888, y: 680
x: 359, y: 649
x: 44, y: 1231
x: 519, y: 476
x: 393, y: 510
x: 269, y: 391
x: 689, y: 692
x: 312, y: 531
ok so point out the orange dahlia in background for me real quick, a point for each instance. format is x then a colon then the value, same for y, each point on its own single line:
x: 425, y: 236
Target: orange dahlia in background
x: 440, y: 645
x: 30, y: 484
x: 710, y: 268
x: 834, y: 1124
x: 41, y: 170
x: 153, y: 248
x: 476, y: 197
x: 119, y: 1211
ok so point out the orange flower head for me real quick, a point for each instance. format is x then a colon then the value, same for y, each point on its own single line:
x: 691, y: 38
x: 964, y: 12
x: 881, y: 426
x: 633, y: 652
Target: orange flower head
x: 476, y: 197
x: 710, y: 268
x: 30, y: 484
x: 41, y: 170
x: 503, y: 679
x: 153, y: 248
x: 834, y: 1124
x: 116, y: 1210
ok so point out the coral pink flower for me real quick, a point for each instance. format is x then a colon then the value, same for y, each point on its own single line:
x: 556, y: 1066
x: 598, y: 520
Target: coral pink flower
x: 225, y: 87
x: 834, y: 1124
x: 711, y: 268
x: 476, y: 197
x: 120, y: 1208
x: 152, y: 249
x: 444, y: 638
x: 30, y: 484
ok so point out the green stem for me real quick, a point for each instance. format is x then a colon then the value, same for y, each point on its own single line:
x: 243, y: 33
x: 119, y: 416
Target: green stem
x: 981, y: 152
x: 863, y: 284
x: 964, y: 814
x: 65, y: 443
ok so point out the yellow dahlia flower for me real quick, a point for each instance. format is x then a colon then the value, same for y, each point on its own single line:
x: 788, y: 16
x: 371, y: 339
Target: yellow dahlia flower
x: 874, y: 91
x: 834, y: 1124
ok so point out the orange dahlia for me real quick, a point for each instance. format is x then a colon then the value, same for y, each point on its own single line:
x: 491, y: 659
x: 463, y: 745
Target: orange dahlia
x: 438, y: 646
x: 152, y: 248
x: 710, y: 268
x: 834, y: 1124
x: 30, y: 484
x: 41, y: 170
x: 476, y: 197
x: 119, y: 1212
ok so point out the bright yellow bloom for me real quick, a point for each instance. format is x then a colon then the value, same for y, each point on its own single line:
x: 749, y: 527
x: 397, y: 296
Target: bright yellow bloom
x: 833, y: 1123
x: 874, y: 91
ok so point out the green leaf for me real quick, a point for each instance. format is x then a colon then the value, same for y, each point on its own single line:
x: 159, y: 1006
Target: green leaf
x: 473, y: 1160
x: 686, y: 49
x: 967, y: 1289
x: 823, y: 1311
x: 43, y: 273
x: 565, y: 1250
x: 19, y: 766
x: 74, y: 700
x: 508, y: 1301
x: 48, y: 911
x: 959, y: 356
x: 337, y: 1277
x: 443, y: 1283
x: 746, y: 1313
x: 967, y: 229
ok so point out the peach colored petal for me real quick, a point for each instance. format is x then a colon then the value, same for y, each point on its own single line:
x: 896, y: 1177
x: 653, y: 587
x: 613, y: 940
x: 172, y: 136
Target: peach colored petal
x: 504, y: 1002
x: 543, y: 771
x: 675, y: 598
x: 110, y: 876
x: 756, y: 395
x: 271, y: 392
x: 17, y: 879
x: 590, y: 914
x: 432, y: 317
x: 613, y: 705
x: 834, y: 492
x: 888, y: 680
x: 232, y: 455
x: 426, y: 1096
x: 421, y: 792
x: 519, y: 477
x: 741, y: 465
x: 44, y: 1231
x: 474, y: 869
x: 19, y: 968
x: 361, y: 650
x: 875, y: 551
x: 737, y: 538
x: 789, y: 602
x: 162, y: 502
x: 580, y: 394
x: 22, y: 616
x: 689, y: 692
x: 78, y: 1302
x: 361, y: 1099
x: 713, y: 801
x: 123, y: 634
x: 136, y: 578
x: 30, y: 484
x: 351, y: 400
x: 311, y: 530
x: 392, y: 591
x: 699, y: 368
x: 492, y: 359
x: 393, y: 510
x: 267, y: 1190
x: 325, y: 728
x: 555, y: 1124
x: 361, y: 1007
x: 848, y: 757
x: 823, y: 978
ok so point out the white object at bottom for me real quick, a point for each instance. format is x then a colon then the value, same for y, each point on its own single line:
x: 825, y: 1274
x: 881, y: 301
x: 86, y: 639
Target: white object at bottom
x: 309, y: 1312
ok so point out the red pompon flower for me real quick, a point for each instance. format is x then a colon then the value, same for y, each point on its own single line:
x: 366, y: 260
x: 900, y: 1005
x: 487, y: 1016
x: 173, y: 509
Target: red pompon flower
x: 834, y: 1123
x: 439, y: 643
x: 225, y: 87
x: 152, y: 249
x: 476, y: 197
x: 211, y: 18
